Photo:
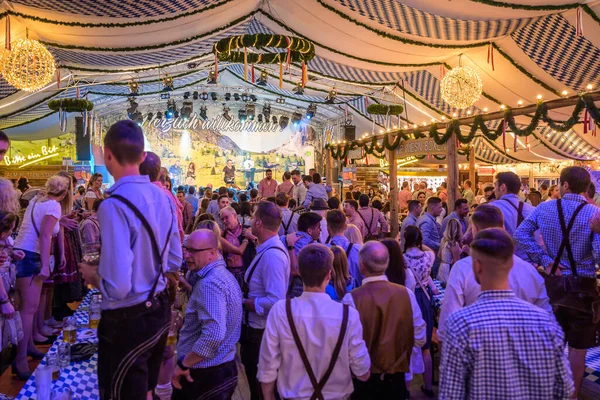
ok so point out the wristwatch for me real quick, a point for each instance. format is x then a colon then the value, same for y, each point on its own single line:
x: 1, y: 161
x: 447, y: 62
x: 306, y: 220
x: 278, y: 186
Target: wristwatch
x: 181, y: 366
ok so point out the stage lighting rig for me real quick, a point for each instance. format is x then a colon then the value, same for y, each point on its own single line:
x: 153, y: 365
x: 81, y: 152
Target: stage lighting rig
x: 168, y: 84
x: 298, y: 89
x: 244, y: 97
x: 133, y: 106
x: 212, y: 79
x: 311, y: 111
x: 283, y: 122
x: 138, y: 118
x: 204, y: 96
x: 187, y: 109
x: 242, y: 115
x: 253, y: 98
x: 171, y: 109
x: 149, y: 116
x: 186, y: 95
x: 267, y: 111
x: 226, y: 114
x: 280, y: 100
x: 195, y: 96
x: 213, y: 96
x: 274, y: 120
x: 296, y: 118
x: 259, y: 117
x: 203, y: 115
x: 331, y: 96
x: 227, y: 96
x: 262, y: 79
x: 236, y: 96
x: 250, y: 111
x: 159, y: 115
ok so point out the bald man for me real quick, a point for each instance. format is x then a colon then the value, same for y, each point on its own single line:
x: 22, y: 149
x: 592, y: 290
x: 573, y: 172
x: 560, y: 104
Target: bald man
x: 392, y: 325
x: 212, y: 326
x: 501, y: 336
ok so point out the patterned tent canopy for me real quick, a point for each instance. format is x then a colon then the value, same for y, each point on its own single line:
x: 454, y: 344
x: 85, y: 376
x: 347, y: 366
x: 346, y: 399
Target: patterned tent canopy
x: 386, y: 51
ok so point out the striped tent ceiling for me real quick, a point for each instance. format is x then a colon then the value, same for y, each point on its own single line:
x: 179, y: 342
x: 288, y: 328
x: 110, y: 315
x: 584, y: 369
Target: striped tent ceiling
x: 386, y: 51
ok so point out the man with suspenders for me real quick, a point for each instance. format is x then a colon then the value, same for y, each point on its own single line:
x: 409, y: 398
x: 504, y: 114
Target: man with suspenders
x: 138, y: 251
x: 289, y: 218
x: 336, y: 225
x: 312, y: 345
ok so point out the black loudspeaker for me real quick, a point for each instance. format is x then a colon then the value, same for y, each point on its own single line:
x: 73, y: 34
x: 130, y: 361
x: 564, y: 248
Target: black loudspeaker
x: 83, y: 147
x: 335, y: 174
x: 349, y: 132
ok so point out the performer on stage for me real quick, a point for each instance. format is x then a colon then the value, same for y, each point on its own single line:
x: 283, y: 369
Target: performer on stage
x: 249, y: 170
x: 229, y: 174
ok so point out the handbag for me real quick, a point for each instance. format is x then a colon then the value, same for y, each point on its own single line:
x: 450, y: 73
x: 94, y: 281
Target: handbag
x: 572, y: 291
x: 12, y: 330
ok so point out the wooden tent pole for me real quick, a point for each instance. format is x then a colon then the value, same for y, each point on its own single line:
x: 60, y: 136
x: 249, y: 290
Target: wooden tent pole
x: 472, y: 167
x: 453, y: 175
x: 394, y: 223
x: 329, y: 169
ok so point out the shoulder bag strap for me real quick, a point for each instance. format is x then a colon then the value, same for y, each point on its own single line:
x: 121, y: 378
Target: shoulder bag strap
x: 565, y: 244
x: 328, y: 239
x: 520, y: 217
x: 37, y: 231
x: 418, y: 280
x: 349, y: 249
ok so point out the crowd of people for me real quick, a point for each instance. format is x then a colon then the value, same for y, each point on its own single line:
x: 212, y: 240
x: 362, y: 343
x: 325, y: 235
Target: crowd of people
x: 309, y: 290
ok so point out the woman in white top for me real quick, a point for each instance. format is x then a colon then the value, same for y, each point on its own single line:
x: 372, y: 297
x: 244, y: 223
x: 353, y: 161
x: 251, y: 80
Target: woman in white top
x: 93, y: 190
x: 449, y: 249
x: 40, y: 224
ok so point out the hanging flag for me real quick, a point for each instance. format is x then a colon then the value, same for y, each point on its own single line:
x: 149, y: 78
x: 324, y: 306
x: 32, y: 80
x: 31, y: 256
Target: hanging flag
x: 366, y: 102
x: 77, y: 92
x: 253, y: 73
x: 245, y: 64
x: 504, y: 134
x: 586, y: 121
x: 289, y: 52
x: 527, y: 143
x: 216, y: 74
x: 490, y: 56
x: 579, y: 23
x: 7, y: 44
x: 516, y: 143
x: 280, y: 75
x: 304, y: 74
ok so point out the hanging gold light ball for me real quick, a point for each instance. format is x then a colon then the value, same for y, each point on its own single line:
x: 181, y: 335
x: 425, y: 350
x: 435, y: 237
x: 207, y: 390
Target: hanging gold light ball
x: 28, y: 66
x: 461, y: 87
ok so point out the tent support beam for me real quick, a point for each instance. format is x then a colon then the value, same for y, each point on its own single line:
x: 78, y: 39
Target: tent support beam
x: 472, y: 168
x: 394, y: 223
x: 453, y: 175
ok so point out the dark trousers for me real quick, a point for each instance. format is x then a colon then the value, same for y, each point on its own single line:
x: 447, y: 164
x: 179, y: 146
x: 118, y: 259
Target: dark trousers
x: 250, y: 350
x: 130, y: 349
x: 392, y: 387
x: 215, y: 383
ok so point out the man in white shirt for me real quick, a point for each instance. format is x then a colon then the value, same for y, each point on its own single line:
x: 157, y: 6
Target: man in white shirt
x: 462, y: 289
x: 327, y: 332
x: 299, y: 192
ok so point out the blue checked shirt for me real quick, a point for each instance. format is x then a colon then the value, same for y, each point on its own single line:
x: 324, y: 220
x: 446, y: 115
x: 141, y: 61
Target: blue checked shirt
x: 584, y: 243
x: 502, y: 347
x: 213, y: 317
x: 430, y: 230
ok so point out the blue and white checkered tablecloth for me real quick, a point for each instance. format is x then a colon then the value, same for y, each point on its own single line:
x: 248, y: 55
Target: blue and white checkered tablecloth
x: 438, y: 298
x: 81, y: 377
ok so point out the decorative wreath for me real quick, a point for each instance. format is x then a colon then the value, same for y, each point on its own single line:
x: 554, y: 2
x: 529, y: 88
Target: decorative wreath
x: 297, y: 49
x: 384, y: 109
x: 71, y: 105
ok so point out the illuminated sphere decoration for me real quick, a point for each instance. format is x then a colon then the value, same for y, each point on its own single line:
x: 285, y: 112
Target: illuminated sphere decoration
x: 461, y: 87
x: 29, y: 66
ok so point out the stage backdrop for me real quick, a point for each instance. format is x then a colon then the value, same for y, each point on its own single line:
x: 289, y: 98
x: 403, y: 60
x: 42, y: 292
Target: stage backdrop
x: 195, y: 151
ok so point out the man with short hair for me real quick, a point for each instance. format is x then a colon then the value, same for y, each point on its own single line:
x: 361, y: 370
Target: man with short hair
x: 188, y: 212
x: 267, y: 282
x: 4, y: 145
x: 207, y: 341
x: 416, y: 190
x: 233, y: 234
x: 286, y: 186
x: 462, y: 289
x: 544, y: 191
x: 468, y: 193
x: 312, y: 333
x: 299, y: 193
x: 423, y: 188
x: 192, y: 199
x: 460, y: 213
x: 351, y: 211
x: 428, y: 225
x: 289, y: 218
x: 213, y: 206
x: 414, y: 211
x: 404, y: 196
x: 222, y: 202
x: 268, y: 186
x: 254, y: 196
x: 89, y: 228
x: 140, y: 246
x: 501, y: 347
x: 336, y: 225
x: 443, y: 194
x: 374, y: 221
x: 570, y: 249
x: 321, y: 207
x: 392, y: 325
x: 314, y: 189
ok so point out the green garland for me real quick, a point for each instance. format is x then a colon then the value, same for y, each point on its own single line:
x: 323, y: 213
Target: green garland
x: 71, y: 105
x: 299, y: 49
x: 384, y: 109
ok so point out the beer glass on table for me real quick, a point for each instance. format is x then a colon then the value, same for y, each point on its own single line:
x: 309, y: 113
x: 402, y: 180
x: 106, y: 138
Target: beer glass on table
x: 91, y: 255
x: 69, y: 330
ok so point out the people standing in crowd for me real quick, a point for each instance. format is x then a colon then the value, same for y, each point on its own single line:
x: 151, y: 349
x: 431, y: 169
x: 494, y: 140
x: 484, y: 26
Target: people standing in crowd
x: 342, y: 281
x: 222, y: 202
x: 462, y: 289
x: 290, y: 350
x: 351, y: 211
x: 443, y: 192
x: 420, y: 263
x: 188, y: 212
x: 429, y: 227
x: 468, y: 192
x: 289, y: 218
x: 544, y: 191
x: 268, y: 186
x: 570, y: 254
x: 245, y: 216
x: 392, y: 324
x: 501, y: 347
x: 40, y: 224
x: 9, y: 197
x: 404, y: 196
x: 299, y: 193
x: 286, y: 186
x: 267, y: 282
x: 336, y: 226
x: 212, y: 325
x: 314, y: 189
x: 414, y: 212
x: 423, y: 188
x: 79, y: 199
x: 237, y: 251
x: 460, y: 213
x: 488, y: 194
x: 321, y: 207
x: 213, y: 206
x: 192, y: 199
x: 23, y: 184
x: 132, y: 273
x: 422, y: 198
x: 309, y: 231
x: 450, y: 248
x: 374, y: 223
x: 89, y: 228
x: 93, y: 190
x: 553, y: 193
x: 4, y: 145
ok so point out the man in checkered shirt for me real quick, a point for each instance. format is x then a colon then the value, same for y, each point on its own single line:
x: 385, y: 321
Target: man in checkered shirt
x: 502, y: 347
x: 580, y: 331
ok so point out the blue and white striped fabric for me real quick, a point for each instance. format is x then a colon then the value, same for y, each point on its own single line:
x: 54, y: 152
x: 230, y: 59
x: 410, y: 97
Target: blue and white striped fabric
x: 119, y: 9
x: 569, y: 143
x: 486, y: 153
x: 408, y: 20
x: 553, y: 45
x: 347, y: 73
x: 6, y: 89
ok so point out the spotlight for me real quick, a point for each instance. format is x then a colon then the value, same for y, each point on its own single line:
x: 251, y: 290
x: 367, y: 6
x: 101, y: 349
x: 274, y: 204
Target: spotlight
x: 186, y: 95
x: 253, y: 98
x: 167, y: 83
x: 296, y: 118
x: 171, y: 110
x: 236, y: 96
x: 187, y: 109
x: 267, y: 111
x: 211, y: 80
x: 149, y: 116
x: 242, y: 115
x: 227, y: 96
x: 311, y: 111
x: 203, y: 115
x: 283, y: 122
x: 331, y: 96
x: 274, y: 120
x: 213, y: 96
x: 298, y: 89
x: 262, y: 79
x: 260, y: 118
x: 244, y: 96
x: 138, y: 118
x: 133, y: 106
x: 226, y: 113
x: 133, y: 88
x: 204, y: 96
x: 159, y: 115
x: 280, y: 100
x: 176, y: 114
x: 195, y: 96
x: 250, y: 111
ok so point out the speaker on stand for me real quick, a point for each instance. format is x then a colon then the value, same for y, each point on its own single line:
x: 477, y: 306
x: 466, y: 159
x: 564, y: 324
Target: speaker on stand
x: 82, y: 142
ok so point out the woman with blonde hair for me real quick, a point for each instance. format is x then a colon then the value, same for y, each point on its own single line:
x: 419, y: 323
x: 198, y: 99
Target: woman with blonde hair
x: 353, y: 234
x: 40, y: 224
x: 92, y: 190
x: 449, y: 249
x: 9, y: 197
x: 341, y: 281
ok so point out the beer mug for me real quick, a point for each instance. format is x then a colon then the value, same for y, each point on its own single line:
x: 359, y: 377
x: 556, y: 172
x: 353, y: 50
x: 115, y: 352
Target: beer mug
x: 94, y: 317
x: 91, y: 253
x: 174, y: 328
x: 69, y: 330
x: 53, y: 363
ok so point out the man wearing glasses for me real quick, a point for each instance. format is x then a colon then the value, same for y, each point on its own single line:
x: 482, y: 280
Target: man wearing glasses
x: 213, y: 322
